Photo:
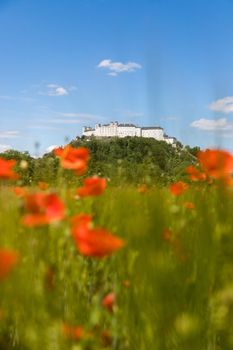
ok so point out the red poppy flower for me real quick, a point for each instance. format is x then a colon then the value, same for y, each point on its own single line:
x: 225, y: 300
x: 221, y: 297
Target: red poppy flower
x: 93, y: 186
x: 189, y: 205
x: 8, y: 259
x: 106, y: 338
x: 178, y: 188
x: 75, y: 332
x: 126, y: 283
x: 95, y: 242
x: 109, y: 301
x: 143, y: 189
x: 167, y: 234
x: 216, y: 163
x: 20, y: 191
x: 43, y: 186
x: 81, y: 219
x: 73, y: 158
x: 195, y: 174
x: 6, y: 169
x: 42, y: 209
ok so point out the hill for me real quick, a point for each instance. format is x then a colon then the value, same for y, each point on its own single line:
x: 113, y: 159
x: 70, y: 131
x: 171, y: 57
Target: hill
x: 122, y: 160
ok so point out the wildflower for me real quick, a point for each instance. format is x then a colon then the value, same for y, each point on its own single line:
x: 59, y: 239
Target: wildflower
x: 20, y: 191
x: 195, y: 174
x: 8, y: 259
x: 143, y: 188
x: 93, y: 186
x: 81, y: 219
x: 167, y: 234
x: 6, y: 169
x: 106, y: 338
x: 126, y: 283
x: 43, y: 185
x: 178, y: 188
x: 75, y: 332
x: 175, y: 243
x: 95, y: 242
x: 109, y: 301
x: 42, y: 209
x: 23, y: 164
x: 216, y: 163
x: 189, y: 205
x: 73, y: 158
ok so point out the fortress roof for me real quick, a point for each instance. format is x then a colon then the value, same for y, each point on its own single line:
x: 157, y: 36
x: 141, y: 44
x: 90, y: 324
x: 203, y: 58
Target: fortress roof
x: 151, y: 128
x: 132, y: 125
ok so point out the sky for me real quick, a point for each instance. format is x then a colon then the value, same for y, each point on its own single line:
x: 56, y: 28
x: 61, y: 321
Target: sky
x: 65, y: 64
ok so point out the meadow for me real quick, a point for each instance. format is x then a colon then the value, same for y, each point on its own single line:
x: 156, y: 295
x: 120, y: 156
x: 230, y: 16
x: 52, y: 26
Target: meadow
x: 121, y: 266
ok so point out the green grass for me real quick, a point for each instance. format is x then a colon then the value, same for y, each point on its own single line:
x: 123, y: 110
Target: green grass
x: 180, y: 293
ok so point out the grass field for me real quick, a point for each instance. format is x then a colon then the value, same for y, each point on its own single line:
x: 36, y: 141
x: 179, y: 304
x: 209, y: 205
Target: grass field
x: 159, y: 275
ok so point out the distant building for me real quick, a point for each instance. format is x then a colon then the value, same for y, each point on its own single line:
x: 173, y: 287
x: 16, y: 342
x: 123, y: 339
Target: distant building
x: 114, y: 129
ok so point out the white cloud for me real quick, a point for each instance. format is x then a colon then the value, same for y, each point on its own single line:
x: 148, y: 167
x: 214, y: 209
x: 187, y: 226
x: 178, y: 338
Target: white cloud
x: 9, y: 134
x: 115, y: 68
x: 51, y: 148
x: 224, y: 105
x: 56, y: 90
x: 221, y: 124
x: 4, y: 148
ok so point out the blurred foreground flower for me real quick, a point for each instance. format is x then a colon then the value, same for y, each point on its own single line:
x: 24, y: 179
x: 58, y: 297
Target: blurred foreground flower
x: 126, y: 283
x: 195, y: 174
x: 43, y: 186
x: 167, y: 234
x: 189, y: 205
x: 96, y: 242
x: 106, y: 338
x: 73, y: 158
x: 93, y: 186
x: 216, y: 163
x: 6, y: 169
x: 20, y: 191
x: 23, y: 164
x: 8, y: 259
x: 178, y: 188
x: 143, y: 188
x: 109, y: 301
x: 42, y: 209
x: 75, y: 332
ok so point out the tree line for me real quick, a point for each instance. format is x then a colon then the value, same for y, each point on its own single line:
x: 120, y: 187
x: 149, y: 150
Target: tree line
x: 122, y: 160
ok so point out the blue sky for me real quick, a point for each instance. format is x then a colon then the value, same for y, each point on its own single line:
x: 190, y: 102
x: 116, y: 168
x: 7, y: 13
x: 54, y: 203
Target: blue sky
x: 69, y: 63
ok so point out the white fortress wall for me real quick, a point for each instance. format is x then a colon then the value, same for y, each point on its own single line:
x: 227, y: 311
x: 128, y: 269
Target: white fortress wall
x: 138, y: 131
x: 123, y: 130
x: 170, y: 140
x: 156, y: 133
x: 109, y: 130
x: 88, y: 131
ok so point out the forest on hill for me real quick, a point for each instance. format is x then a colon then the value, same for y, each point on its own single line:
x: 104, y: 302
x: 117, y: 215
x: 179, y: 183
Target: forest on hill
x: 121, y: 160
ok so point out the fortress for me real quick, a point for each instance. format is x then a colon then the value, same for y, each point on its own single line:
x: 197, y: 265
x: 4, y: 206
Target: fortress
x: 114, y: 129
